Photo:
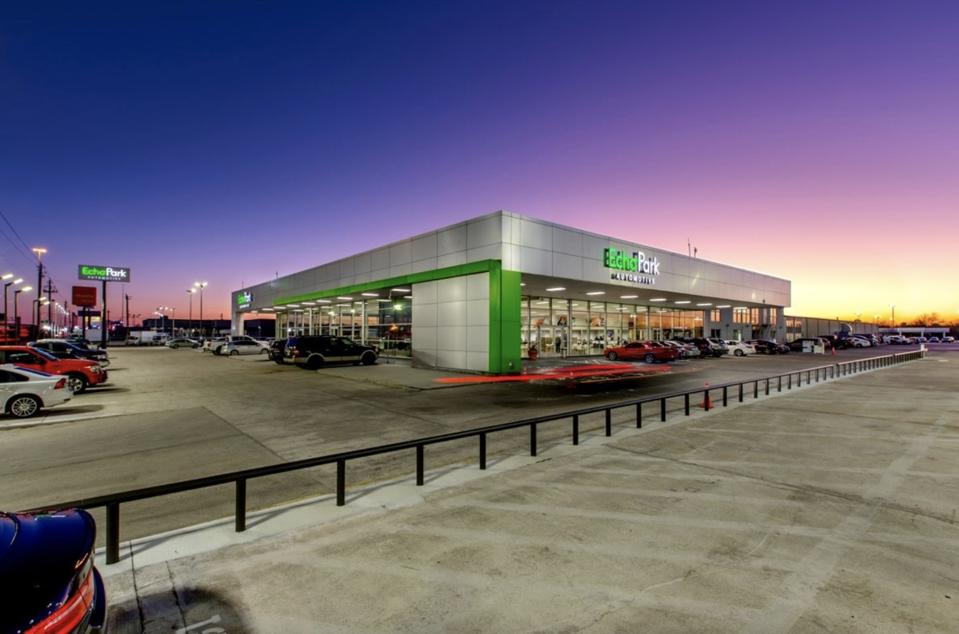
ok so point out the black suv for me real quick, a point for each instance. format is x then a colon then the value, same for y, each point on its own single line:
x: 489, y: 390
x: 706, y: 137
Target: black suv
x: 313, y: 351
x: 63, y: 349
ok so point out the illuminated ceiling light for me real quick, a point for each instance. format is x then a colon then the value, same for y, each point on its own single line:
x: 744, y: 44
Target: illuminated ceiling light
x: 332, y: 313
x: 322, y: 301
x: 705, y: 304
x: 722, y: 306
x: 407, y: 297
x: 383, y: 301
x: 543, y: 303
x: 345, y: 298
x: 370, y: 294
x: 266, y: 310
x: 628, y: 296
x: 400, y: 290
x: 292, y: 305
x: 398, y: 306
x: 309, y: 303
x: 658, y: 299
x: 556, y: 289
x: 740, y: 308
x: 522, y: 283
x: 683, y: 301
x: 594, y: 293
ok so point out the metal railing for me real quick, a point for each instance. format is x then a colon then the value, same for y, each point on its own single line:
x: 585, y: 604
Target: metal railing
x: 239, y: 479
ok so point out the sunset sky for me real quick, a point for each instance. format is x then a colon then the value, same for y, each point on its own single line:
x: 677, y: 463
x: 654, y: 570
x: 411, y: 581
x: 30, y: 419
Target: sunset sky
x: 232, y: 141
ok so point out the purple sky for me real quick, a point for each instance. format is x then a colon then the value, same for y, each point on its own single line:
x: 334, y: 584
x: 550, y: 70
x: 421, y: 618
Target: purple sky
x: 230, y: 141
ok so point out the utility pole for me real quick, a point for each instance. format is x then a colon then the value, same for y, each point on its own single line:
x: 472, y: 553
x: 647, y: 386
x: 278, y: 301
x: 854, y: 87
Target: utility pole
x: 50, y: 292
x: 39, y: 251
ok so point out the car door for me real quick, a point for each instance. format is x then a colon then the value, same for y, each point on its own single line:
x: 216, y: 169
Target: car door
x: 632, y: 350
x: 8, y: 387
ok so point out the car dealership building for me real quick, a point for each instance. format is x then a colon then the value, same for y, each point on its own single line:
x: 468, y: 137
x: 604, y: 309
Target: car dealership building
x: 481, y: 294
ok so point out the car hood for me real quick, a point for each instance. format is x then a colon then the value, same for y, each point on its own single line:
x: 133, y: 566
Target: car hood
x: 40, y: 554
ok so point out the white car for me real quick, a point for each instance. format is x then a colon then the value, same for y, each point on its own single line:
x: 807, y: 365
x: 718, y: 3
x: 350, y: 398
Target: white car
x: 23, y: 392
x: 218, y: 345
x: 948, y: 339
x: 859, y: 342
x: 243, y: 346
x: 740, y: 348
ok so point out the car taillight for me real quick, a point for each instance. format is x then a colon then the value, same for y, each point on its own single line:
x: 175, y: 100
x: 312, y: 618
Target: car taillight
x: 62, y: 383
x: 71, y: 614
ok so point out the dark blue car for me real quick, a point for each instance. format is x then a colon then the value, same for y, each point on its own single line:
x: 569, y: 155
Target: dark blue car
x: 47, y: 580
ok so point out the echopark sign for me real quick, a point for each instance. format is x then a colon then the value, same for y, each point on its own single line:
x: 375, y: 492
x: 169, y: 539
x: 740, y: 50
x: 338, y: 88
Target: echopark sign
x: 104, y: 273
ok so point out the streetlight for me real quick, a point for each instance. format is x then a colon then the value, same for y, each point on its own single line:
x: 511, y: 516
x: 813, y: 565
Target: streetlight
x: 39, y: 251
x: 201, y: 286
x: 16, y: 303
x: 191, y: 292
x: 6, y: 285
x: 893, y: 322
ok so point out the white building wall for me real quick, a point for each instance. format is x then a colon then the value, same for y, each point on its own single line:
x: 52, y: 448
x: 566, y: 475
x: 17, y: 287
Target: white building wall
x: 451, y: 323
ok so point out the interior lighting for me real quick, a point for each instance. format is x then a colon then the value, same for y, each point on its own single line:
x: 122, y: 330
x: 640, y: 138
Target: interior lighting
x: 292, y: 305
x: 658, y: 299
x: 683, y: 301
x: 322, y: 301
x: 400, y: 290
x: 594, y: 293
x: 740, y: 308
x: 370, y: 294
x: 705, y: 304
x: 407, y: 297
x: 522, y: 283
x: 332, y: 313
x: 345, y: 298
x: 398, y: 306
x: 309, y: 303
x: 722, y: 306
x: 384, y: 301
x: 555, y: 289
x: 628, y: 296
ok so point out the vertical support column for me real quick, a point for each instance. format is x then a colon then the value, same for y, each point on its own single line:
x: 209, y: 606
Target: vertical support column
x: 504, y: 320
x: 240, y: 508
x: 113, y: 532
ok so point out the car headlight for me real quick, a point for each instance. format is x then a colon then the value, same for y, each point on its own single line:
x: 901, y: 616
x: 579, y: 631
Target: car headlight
x: 96, y: 369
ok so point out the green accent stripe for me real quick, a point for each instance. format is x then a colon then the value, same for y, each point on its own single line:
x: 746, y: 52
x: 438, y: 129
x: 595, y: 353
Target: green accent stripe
x: 504, y: 321
x: 401, y: 280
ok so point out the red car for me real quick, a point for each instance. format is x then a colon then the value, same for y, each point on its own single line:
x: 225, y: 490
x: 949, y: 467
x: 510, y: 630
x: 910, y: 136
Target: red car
x: 80, y: 373
x: 645, y: 350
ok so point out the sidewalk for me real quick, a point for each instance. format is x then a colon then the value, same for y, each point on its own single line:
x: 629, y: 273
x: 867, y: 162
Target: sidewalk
x: 829, y: 508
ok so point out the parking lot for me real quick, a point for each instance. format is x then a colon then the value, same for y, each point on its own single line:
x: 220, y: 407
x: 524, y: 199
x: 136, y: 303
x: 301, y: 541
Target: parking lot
x: 830, y: 508
x: 169, y: 415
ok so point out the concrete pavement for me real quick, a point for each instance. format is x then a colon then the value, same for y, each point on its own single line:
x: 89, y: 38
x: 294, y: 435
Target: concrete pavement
x: 827, y: 509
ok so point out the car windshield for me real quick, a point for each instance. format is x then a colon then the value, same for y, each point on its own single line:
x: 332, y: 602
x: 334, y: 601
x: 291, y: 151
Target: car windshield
x: 46, y: 355
x: 37, y: 372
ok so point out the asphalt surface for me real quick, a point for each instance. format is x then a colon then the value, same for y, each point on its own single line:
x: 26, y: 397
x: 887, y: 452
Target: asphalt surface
x: 826, y: 509
x: 168, y: 415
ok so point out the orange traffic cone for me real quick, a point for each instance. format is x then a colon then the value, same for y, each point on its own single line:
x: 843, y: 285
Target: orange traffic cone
x: 834, y: 351
x: 707, y: 403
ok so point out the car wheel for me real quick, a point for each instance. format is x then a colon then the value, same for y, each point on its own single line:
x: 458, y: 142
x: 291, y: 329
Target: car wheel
x: 23, y: 406
x: 739, y: 353
x: 77, y: 383
x: 368, y: 358
x: 234, y: 353
x: 649, y: 358
x: 266, y: 352
x: 314, y: 363
x: 611, y: 356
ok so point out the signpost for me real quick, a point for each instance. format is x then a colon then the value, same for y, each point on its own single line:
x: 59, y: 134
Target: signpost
x: 103, y: 274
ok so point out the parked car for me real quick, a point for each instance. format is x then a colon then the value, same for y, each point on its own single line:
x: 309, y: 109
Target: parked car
x: 83, y: 342
x: 710, y: 347
x: 895, y: 339
x: 686, y: 350
x: 49, y: 581
x: 62, y: 349
x: 80, y: 373
x: 739, y: 348
x: 769, y: 346
x: 216, y: 346
x: 314, y: 351
x: 948, y: 339
x: 277, y: 348
x: 933, y: 339
x: 839, y: 343
x: 796, y: 345
x: 237, y: 347
x: 182, y: 342
x: 647, y: 351
x: 858, y: 342
x: 23, y: 393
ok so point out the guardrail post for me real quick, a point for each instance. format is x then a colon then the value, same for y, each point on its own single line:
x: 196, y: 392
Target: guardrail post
x: 662, y: 409
x: 113, y: 532
x: 725, y: 396
x: 532, y: 439
x: 575, y: 429
x: 482, y: 438
x: 779, y: 388
x: 686, y: 403
x: 835, y: 371
x: 340, y: 482
x: 639, y: 415
x: 789, y: 381
x: 240, y: 519
x: 740, y: 392
x: 767, y: 387
x: 756, y: 389
x: 799, y: 379
x: 419, y: 465
x: 609, y: 422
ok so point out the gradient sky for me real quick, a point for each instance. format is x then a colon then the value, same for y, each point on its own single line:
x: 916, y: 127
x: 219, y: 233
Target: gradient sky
x: 229, y: 141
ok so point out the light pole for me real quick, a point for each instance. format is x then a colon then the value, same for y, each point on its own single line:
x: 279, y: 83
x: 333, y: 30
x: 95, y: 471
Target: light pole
x: 16, y: 303
x: 201, y: 286
x: 893, y: 308
x: 6, y: 285
x: 39, y: 251
x: 191, y: 292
